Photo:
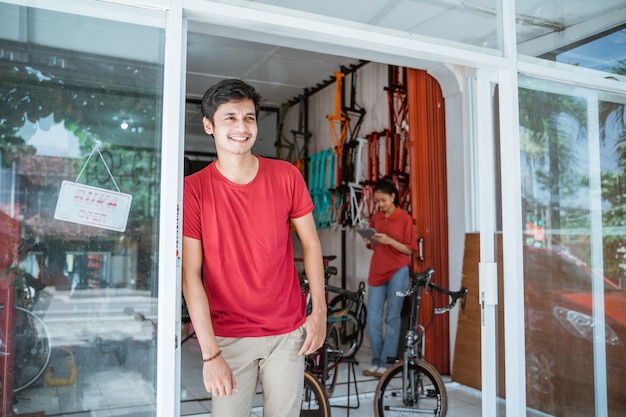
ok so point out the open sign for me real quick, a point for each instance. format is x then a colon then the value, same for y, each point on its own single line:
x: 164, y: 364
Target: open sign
x: 92, y: 206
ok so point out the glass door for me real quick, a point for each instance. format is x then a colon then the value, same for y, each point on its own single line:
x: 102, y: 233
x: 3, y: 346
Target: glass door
x: 81, y: 127
x: 573, y: 175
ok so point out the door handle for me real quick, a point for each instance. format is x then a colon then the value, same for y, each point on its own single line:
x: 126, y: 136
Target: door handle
x: 420, y: 250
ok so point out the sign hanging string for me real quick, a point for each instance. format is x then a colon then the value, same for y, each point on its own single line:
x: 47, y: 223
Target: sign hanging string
x: 96, y: 148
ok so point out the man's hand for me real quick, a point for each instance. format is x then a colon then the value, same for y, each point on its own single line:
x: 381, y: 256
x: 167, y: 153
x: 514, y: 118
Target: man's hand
x: 218, y: 377
x: 315, y: 333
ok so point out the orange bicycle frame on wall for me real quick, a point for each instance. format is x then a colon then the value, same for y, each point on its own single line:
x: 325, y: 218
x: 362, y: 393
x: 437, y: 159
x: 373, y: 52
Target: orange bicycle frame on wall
x: 339, y: 119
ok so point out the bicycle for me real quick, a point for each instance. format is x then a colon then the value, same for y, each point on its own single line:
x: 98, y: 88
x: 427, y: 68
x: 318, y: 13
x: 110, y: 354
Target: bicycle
x: 324, y: 362
x: 31, y: 346
x: 315, y: 392
x: 314, y: 398
x: 347, y: 309
x: 143, y: 352
x: 31, y: 341
x: 412, y: 386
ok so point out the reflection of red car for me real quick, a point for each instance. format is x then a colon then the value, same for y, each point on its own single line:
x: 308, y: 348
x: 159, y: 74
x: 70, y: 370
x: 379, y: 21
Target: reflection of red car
x: 560, y: 333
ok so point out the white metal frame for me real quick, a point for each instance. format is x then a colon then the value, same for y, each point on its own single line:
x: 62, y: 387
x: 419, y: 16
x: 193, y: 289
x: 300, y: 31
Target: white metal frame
x: 138, y: 12
x: 281, y: 26
x: 170, y: 236
x: 513, y: 289
x: 487, y: 268
x: 163, y: 14
x: 513, y: 285
x: 267, y: 25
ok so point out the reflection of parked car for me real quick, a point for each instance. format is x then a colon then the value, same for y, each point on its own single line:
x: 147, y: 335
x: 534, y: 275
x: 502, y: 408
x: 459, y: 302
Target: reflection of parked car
x: 560, y: 332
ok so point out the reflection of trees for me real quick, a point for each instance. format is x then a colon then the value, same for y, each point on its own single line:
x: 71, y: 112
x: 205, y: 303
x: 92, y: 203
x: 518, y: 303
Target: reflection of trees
x: 612, y: 131
x: 552, y: 126
x: 92, y: 96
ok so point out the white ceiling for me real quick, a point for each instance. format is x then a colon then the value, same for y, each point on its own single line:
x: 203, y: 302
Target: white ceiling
x: 281, y: 73
x: 278, y: 73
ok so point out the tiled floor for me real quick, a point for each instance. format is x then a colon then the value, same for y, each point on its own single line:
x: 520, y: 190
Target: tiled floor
x: 104, y: 387
x: 463, y: 401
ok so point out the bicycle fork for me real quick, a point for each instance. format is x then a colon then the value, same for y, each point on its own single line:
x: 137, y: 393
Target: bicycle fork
x: 413, y: 381
x: 409, y: 390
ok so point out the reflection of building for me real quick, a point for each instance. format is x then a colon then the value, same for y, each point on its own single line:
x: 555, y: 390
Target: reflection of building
x: 35, y: 186
x: 8, y: 239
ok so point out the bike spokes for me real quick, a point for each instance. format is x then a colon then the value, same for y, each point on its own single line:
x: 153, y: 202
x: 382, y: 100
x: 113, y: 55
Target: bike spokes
x: 417, y: 393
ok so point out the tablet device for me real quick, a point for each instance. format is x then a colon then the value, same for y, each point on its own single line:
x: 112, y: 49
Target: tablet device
x: 367, y: 233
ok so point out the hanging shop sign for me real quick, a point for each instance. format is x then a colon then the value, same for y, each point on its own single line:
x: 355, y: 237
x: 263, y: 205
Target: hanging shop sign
x: 93, y: 206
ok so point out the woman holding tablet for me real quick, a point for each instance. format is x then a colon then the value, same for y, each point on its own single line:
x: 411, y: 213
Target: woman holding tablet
x: 393, y: 244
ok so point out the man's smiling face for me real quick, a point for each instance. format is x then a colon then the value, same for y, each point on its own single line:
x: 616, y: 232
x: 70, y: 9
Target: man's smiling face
x: 234, y: 126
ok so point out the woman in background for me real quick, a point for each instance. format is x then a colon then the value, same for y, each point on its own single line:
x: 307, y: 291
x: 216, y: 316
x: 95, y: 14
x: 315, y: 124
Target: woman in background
x: 393, y: 244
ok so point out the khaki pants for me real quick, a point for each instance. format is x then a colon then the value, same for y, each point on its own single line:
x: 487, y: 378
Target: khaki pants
x: 272, y: 361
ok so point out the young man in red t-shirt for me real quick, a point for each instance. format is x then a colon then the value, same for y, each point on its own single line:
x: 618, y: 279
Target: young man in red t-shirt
x: 240, y: 282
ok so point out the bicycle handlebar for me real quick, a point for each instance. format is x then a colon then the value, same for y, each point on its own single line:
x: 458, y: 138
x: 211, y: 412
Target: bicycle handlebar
x: 454, y: 295
x: 423, y: 279
x: 419, y: 279
x: 350, y: 295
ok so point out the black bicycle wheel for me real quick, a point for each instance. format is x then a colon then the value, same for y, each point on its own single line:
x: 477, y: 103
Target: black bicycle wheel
x: 426, y: 392
x: 350, y: 333
x: 31, y: 347
x: 340, y: 301
x: 333, y: 357
x: 351, y: 329
x: 314, y: 399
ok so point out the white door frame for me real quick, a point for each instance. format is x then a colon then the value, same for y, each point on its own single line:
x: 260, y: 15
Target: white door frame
x: 170, y: 236
x: 165, y: 14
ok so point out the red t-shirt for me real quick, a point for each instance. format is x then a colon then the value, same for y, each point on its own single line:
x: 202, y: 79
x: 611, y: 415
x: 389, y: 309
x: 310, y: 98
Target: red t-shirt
x: 386, y: 260
x: 248, y: 264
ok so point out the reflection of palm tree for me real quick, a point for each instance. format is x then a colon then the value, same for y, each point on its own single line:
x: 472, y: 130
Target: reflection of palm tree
x: 28, y: 94
x: 612, y: 131
x: 552, y: 124
x: 612, y: 120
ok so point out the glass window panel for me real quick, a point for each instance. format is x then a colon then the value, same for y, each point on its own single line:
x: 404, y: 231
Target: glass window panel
x: 473, y: 22
x: 590, y: 35
x: 573, y: 287
x: 80, y: 101
x: 606, y: 53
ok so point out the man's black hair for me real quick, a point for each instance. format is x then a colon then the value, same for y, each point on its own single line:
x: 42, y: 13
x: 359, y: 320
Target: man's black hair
x: 226, y: 91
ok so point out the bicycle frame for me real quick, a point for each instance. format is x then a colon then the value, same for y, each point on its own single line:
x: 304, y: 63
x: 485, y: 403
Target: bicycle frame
x: 324, y: 362
x: 347, y: 309
x: 352, y: 297
x: 412, y: 345
x: 421, y: 282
